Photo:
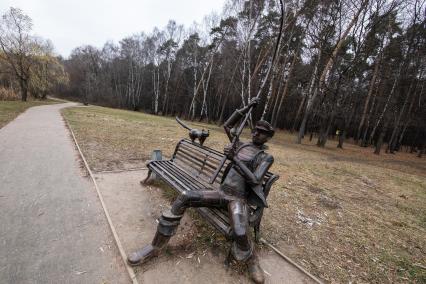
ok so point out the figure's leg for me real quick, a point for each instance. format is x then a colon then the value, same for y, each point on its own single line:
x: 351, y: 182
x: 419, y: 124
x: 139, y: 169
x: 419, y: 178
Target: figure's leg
x: 169, y: 221
x: 166, y: 228
x: 242, y: 247
x: 198, y: 198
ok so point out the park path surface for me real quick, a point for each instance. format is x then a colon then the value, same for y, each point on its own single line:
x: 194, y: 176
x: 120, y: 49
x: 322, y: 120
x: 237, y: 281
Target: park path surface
x: 134, y: 210
x: 52, y: 227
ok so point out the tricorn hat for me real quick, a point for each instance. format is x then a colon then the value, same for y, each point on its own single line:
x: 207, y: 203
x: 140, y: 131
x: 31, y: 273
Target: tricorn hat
x: 264, y: 126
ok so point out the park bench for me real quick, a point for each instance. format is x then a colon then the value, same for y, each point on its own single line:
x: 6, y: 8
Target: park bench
x: 191, y: 168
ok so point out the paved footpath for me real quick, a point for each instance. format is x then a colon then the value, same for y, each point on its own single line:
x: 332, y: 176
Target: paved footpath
x: 52, y: 227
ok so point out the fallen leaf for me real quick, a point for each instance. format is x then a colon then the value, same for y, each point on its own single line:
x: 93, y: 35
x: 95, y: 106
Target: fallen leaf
x: 191, y: 255
x: 80, y: 272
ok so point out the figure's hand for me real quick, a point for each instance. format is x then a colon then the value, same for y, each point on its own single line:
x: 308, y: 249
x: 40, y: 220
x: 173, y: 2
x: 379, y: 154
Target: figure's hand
x: 229, y: 152
x: 254, y: 102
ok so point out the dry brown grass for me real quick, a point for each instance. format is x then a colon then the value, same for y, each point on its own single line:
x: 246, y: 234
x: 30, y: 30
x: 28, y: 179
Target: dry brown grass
x: 11, y: 109
x: 346, y: 215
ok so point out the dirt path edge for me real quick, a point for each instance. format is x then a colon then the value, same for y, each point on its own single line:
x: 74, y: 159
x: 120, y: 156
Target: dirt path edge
x: 123, y: 254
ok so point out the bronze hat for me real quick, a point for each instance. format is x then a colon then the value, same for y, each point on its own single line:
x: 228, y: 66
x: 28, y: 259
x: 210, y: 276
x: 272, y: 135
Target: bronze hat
x: 264, y: 126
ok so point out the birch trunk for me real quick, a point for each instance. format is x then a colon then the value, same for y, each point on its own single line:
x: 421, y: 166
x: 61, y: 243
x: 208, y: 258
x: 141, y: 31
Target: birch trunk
x: 284, y: 94
x: 392, y: 141
x: 166, y: 91
x: 309, y: 95
x: 367, y: 100
x: 205, y: 89
x: 408, y: 117
x: 386, y: 104
x: 191, y: 112
x: 363, y: 142
x: 156, y: 89
x: 299, y: 110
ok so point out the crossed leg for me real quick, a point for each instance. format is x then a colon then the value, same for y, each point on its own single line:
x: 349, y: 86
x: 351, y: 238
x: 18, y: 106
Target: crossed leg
x: 242, y: 247
x: 238, y: 215
x: 169, y: 220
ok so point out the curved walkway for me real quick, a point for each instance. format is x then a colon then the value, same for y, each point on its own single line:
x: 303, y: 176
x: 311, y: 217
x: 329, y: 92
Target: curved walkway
x: 52, y: 227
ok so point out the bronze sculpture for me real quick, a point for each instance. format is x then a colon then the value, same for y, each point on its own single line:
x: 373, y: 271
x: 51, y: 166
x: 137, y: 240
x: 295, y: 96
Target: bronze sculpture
x: 241, y: 187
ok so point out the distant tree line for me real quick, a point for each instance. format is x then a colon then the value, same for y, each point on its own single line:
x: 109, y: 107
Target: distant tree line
x: 349, y: 69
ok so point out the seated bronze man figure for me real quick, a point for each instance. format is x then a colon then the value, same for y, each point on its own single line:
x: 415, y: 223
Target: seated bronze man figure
x: 241, y: 187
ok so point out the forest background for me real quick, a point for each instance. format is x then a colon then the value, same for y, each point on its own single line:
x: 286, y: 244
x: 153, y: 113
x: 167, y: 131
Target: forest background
x: 345, y: 68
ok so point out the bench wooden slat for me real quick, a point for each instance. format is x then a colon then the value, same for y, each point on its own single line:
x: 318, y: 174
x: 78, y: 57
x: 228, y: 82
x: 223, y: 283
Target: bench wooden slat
x: 216, y: 222
x: 199, y: 172
x: 211, y: 152
x: 222, y: 214
x: 170, y: 179
x: 185, y: 182
x: 194, y: 183
x: 202, y: 162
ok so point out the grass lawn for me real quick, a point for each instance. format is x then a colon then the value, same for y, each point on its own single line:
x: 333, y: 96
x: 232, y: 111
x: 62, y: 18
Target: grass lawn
x: 11, y: 109
x: 345, y: 215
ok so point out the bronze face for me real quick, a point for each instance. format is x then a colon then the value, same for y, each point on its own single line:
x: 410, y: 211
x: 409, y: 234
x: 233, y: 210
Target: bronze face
x: 260, y: 137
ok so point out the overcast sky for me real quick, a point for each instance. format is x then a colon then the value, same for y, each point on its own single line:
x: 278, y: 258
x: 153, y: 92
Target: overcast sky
x: 72, y: 23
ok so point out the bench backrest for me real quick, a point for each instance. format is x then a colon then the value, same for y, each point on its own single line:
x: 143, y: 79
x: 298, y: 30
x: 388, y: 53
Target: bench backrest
x: 202, y: 162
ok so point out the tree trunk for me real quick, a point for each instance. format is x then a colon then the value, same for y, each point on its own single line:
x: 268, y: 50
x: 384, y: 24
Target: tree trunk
x: 302, y: 127
x: 373, y: 108
x: 381, y: 137
x: 323, y: 136
x: 284, y: 94
x: 373, y: 132
x: 326, y: 69
x: 299, y: 109
x: 342, y: 137
x: 310, y: 95
x: 205, y: 89
x: 270, y: 89
x: 367, y: 100
x: 166, y: 91
x: 24, y: 89
x: 421, y: 149
x: 407, y: 121
x: 222, y: 112
x: 343, y: 132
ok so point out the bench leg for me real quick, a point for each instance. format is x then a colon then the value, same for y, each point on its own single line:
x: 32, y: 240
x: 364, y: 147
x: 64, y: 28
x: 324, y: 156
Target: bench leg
x: 257, y: 233
x: 145, y: 181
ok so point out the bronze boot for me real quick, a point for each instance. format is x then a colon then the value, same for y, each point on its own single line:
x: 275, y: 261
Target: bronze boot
x: 147, y: 252
x: 167, y: 226
x: 256, y: 272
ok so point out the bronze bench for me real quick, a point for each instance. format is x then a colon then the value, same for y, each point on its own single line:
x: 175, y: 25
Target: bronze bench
x: 191, y: 168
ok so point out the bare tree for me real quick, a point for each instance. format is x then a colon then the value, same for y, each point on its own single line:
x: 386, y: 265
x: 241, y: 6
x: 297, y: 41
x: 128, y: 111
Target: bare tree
x: 17, y: 44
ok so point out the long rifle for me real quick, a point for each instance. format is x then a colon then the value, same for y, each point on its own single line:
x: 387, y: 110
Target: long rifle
x: 243, y: 123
